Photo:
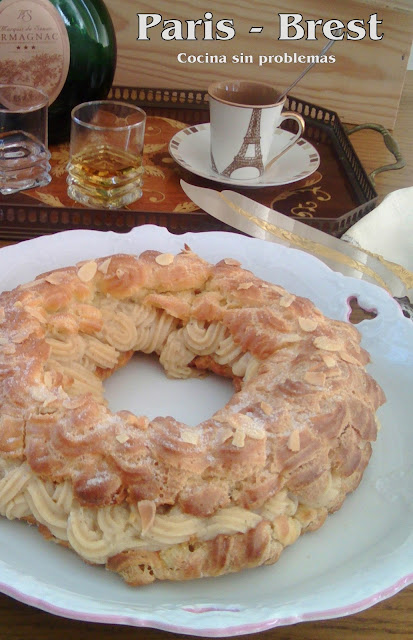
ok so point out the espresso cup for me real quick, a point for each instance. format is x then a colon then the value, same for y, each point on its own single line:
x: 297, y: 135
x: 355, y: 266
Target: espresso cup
x: 245, y: 118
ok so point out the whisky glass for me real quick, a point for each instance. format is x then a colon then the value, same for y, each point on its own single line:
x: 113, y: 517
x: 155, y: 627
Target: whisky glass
x: 24, y: 156
x: 105, y: 168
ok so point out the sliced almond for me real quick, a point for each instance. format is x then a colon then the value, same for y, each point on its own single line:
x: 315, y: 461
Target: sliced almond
x: 104, y: 266
x: 347, y: 357
x: 286, y: 300
x: 329, y: 361
x: 122, y: 438
x: 267, y: 408
x: 164, y: 259
x: 232, y: 262
x: 143, y: 423
x: 316, y: 378
x: 239, y: 438
x: 190, y: 436
x: 48, y: 379
x: 327, y: 344
x: 147, y: 512
x: 56, y: 277
x: 245, y: 285
x: 294, y: 441
x: 307, y: 324
x: 87, y: 271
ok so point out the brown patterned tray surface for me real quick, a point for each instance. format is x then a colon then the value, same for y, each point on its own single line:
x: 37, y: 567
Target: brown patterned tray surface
x: 332, y: 198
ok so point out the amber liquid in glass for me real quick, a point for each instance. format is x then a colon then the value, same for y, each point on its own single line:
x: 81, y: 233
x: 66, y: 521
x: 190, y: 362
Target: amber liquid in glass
x: 105, y: 176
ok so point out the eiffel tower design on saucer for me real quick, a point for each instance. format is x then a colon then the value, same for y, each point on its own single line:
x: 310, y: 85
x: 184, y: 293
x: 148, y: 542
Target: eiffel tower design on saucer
x: 191, y: 149
x: 251, y: 138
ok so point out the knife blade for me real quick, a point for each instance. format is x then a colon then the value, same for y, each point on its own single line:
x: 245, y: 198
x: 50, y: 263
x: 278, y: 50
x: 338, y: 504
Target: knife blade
x: 259, y: 221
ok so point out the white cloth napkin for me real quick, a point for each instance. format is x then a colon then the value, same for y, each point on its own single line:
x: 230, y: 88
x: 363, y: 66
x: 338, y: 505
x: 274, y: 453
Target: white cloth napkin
x: 388, y: 229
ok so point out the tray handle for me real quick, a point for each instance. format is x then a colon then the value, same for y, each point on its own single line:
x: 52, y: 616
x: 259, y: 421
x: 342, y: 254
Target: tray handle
x: 390, y: 143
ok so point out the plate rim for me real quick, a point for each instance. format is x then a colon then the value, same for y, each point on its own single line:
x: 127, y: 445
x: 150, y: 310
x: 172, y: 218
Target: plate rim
x: 210, y: 632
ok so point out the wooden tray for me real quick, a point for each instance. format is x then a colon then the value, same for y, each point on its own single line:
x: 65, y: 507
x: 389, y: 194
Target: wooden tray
x: 332, y: 199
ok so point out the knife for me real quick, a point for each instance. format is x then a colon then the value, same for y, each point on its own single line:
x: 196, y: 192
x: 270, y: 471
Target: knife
x: 259, y: 221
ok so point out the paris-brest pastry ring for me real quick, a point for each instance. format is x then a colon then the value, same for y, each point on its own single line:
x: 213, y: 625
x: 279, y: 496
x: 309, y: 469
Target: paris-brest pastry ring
x: 157, y: 499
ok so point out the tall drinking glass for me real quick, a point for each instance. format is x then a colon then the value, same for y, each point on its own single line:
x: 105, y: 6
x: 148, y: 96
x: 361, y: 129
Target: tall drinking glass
x: 106, y: 146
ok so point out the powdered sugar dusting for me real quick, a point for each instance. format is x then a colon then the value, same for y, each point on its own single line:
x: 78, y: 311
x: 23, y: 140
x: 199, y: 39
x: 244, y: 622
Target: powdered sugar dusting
x: 100, y: 477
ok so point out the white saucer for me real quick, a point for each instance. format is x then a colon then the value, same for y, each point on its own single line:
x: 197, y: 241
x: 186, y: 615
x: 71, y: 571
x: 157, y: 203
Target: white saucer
x: 190, y: 149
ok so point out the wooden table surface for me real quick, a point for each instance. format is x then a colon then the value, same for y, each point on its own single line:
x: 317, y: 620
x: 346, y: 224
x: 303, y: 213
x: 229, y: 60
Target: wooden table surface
x: 390, y: 618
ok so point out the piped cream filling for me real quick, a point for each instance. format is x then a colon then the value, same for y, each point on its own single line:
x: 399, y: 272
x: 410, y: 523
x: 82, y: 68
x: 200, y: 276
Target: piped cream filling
x: 97, y: 534
x: 129, y: 325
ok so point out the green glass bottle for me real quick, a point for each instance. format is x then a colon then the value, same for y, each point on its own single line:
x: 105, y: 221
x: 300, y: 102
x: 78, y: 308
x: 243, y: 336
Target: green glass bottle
x: 66, y: 47
x: 92, y: 60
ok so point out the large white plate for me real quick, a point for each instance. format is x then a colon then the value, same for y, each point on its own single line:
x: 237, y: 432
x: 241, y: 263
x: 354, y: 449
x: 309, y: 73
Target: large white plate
x: 363, y: 553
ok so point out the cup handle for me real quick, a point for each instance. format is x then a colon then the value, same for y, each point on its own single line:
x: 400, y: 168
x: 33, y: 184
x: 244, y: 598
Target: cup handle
x: 289, y: 115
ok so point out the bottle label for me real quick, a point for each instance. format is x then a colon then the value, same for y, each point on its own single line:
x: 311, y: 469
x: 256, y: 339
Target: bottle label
x: 34, y: 45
